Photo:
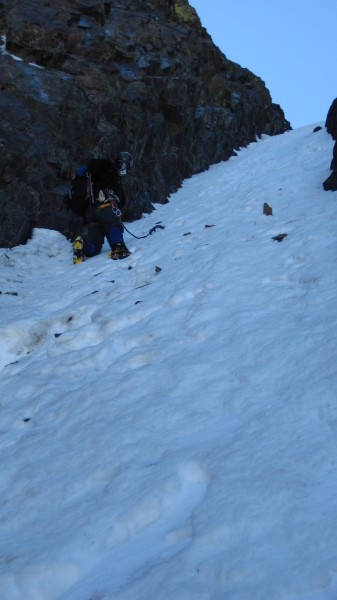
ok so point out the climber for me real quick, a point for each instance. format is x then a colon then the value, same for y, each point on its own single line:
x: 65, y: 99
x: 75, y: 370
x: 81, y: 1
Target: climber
x: 98, y: 195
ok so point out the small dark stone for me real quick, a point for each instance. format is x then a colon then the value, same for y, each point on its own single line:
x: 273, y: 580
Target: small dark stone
x: 267, y: 210
x: 280, y: 237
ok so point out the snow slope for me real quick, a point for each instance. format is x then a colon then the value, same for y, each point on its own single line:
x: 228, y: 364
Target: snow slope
x: 172, y: 434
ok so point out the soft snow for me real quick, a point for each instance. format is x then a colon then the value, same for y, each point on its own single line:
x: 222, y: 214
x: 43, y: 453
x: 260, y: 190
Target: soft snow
x: 172, y: 434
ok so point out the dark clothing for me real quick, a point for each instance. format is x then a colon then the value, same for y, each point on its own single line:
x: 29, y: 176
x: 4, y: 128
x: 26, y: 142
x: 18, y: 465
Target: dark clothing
x: 101, y: 221
x: 104, y: 175
x: 104, y: 207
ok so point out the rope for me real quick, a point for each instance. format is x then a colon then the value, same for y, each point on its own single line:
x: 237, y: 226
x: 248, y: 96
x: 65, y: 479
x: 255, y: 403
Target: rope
x: 125, y: 204
x: 150, y: 232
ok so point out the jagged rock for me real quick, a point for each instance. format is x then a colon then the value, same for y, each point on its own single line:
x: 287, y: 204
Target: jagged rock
x: 267, y: 210
x: 93, y: 78
x: 331, y: 120
x: 330, y: 184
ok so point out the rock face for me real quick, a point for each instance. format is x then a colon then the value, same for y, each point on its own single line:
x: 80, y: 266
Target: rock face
x: 331, y: 120
x: 330, y: 184
x: 85, y: 79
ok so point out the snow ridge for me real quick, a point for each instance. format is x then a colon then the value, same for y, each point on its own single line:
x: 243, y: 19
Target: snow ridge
x: 171, y: 432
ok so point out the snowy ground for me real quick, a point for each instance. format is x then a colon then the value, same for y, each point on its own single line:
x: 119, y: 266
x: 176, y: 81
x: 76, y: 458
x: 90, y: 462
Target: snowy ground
x: 172, y: 434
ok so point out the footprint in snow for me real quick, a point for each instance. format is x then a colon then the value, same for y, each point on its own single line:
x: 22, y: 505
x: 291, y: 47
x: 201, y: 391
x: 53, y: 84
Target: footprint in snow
x: 158, y: 525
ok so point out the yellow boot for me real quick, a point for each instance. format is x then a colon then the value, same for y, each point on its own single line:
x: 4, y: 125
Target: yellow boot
x: 78, y: 250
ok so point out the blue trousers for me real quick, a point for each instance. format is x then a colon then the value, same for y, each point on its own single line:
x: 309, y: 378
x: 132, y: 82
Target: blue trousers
x: 101, y: 222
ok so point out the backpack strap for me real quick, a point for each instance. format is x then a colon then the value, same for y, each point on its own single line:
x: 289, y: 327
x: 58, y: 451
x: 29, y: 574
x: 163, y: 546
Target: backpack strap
x: 90, y: 191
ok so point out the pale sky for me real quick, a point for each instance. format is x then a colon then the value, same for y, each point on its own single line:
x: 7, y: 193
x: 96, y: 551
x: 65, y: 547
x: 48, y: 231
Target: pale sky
x: 291, y: 45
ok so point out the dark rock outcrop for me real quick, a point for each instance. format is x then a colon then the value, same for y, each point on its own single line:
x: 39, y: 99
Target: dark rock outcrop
x: 331, y: 120
x: 330, y: 184
x: 86, y: 79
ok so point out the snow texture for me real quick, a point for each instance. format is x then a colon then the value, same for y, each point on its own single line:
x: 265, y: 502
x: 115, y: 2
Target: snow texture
x: 169, y: 421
